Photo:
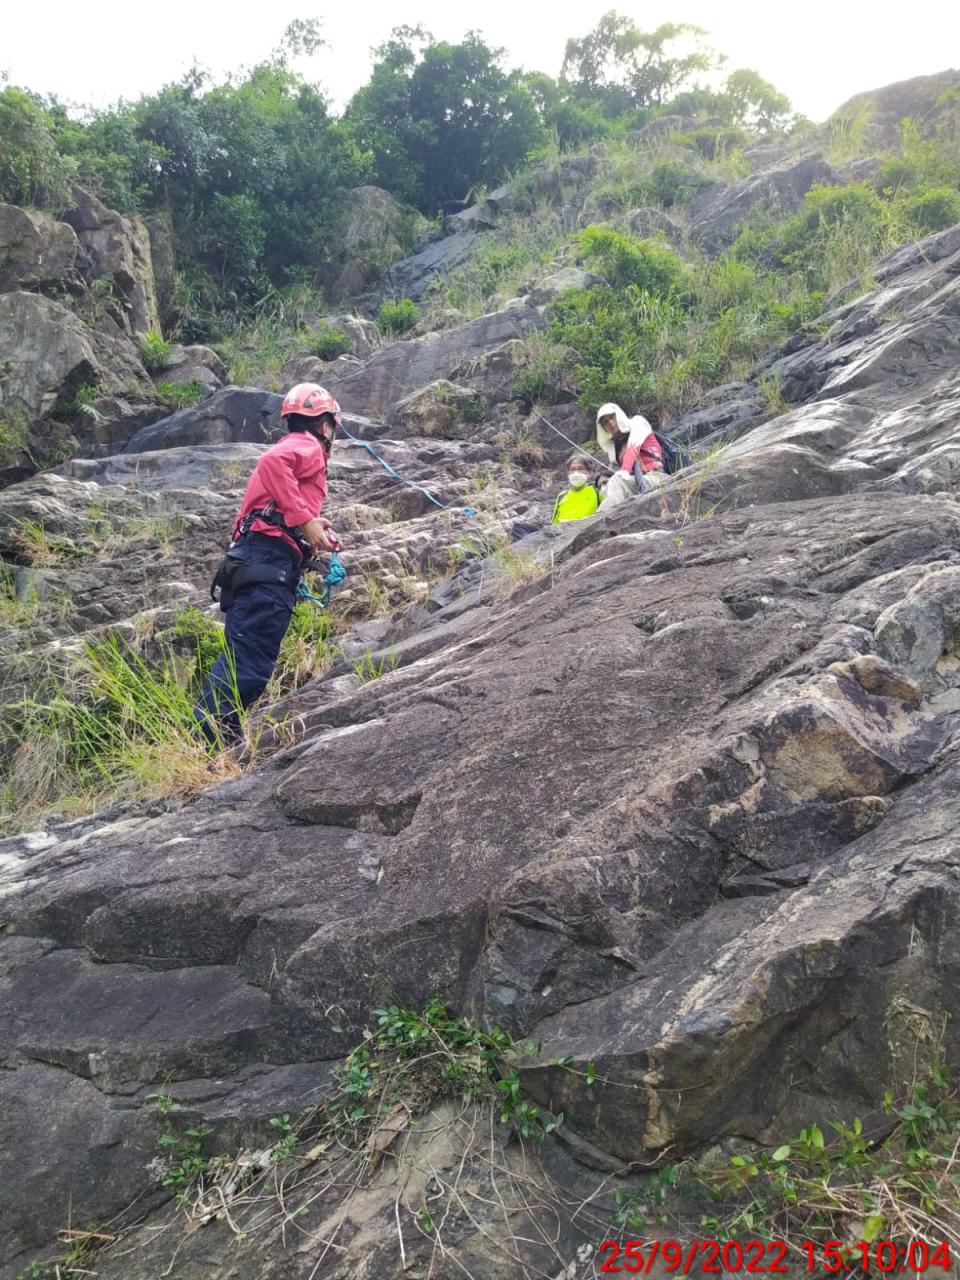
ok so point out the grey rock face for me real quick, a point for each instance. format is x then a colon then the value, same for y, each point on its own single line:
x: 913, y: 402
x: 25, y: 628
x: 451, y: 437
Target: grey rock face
x: 676, y: 797
x: 402, y: 367
x: 50, y: 354
x: 119, y: 250
x: 412, y: 277
x: 34, y: 249
x: 554, y: 285
x: 194, y: 364
x: 232, y: 416
x: 716, y: 213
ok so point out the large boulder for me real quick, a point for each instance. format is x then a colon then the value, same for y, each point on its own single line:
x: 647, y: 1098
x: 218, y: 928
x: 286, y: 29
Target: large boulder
x: 716, y: 213
x: 399, y: 368
x: 232, y: 416
x: 119, y: 252
x: 49, y: 354
x: 413, y: 276
x: 786, y: 879
x: 562, y: 184
x: 876, y: 117
x: 193, y: 364
x: 560, y: 282
x: 378, y: 230
x: 35, y: 250
x: 360, y: 339
x: 440, y: 409
x: 648, y: 222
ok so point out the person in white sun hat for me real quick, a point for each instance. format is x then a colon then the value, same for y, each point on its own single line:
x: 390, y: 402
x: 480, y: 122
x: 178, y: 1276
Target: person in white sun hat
x: 632, y: 447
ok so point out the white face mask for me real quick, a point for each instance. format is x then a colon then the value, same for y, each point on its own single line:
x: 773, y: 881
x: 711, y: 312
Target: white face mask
x: 576, y: 479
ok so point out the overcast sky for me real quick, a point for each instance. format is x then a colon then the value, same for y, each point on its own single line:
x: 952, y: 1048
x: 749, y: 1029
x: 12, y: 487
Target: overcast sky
x: 819, y: 52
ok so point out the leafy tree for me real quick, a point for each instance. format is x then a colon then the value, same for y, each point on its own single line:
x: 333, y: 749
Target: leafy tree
x: 574, y: 117
x: 754, y: 100
x: 31, y: 169
x: 438, y: 119
x: 636, y: 68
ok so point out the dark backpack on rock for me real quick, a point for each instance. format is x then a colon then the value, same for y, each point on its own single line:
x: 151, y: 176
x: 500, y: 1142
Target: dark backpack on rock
x: 675, y: 456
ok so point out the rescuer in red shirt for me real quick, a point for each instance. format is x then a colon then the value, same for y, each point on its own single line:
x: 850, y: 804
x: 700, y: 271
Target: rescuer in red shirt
x: 277, y: 528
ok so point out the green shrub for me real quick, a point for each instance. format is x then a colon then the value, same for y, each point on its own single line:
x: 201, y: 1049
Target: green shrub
x: 835, y: 237
x: 397, y: 316
x: 499, y: 263
x: 894, y: 176
x: 618, y: 337
x: 670, y: 184
x: 155, y: 352
x: 203, y: 635
x: 14, y: 426
x: 327, y: 341
x: 933, y: 210
x: 179, y: 395
x: 625, y: 260
x: 31, y: 171
x: 711, y: 142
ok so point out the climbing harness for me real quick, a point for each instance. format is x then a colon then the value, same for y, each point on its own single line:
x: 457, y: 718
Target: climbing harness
x: 236, y: 571
x: 411, y: 484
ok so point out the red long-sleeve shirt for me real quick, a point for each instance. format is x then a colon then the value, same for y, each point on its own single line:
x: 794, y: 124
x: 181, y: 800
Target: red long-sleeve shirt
x: 293, y: 475
x: 632, y: 453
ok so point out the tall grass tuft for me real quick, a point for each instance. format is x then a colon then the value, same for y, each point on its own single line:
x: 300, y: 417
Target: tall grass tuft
x: 115, y: 728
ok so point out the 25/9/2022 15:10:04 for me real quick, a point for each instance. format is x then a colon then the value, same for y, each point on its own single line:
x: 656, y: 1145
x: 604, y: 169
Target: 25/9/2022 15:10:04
x: 773, y: 1257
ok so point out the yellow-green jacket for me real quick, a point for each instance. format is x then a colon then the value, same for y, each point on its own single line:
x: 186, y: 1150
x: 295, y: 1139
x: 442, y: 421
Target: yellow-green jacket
x: 576, y: 504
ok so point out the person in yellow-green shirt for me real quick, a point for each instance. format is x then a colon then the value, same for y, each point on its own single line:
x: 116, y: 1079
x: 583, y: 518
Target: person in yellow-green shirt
x: 582, y: 498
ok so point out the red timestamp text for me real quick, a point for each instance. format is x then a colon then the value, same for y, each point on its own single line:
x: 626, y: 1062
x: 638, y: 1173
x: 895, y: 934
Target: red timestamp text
x: 771, y: 1257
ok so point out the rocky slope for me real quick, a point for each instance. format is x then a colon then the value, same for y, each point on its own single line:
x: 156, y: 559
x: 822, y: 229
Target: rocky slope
x: 679, y: 804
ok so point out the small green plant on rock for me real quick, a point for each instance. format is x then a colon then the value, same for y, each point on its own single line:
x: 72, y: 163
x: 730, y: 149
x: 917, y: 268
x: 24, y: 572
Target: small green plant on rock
x: 179, y: 395
x: 203, y: 634
x: 286, y: 1140
x: 366, y: 668
x: 434, y: 1054
x: 85, y: 402
x: 38, y: 548
x: 839, y: 1192
x: 155, y: 351
x: 329, y: 341
x: 309, y: 649
x: 772, y: 400
x: 397, y: 317
x: 181, y: 1164
x: 14, y: 426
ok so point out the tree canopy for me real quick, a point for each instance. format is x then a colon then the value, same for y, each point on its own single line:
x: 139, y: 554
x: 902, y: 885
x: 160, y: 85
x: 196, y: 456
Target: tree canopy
x: 254, y: 172
x: 438, y: 119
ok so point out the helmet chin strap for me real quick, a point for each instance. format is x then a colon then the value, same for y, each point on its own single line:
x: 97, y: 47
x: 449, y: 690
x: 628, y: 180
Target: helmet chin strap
x: 325, y: 441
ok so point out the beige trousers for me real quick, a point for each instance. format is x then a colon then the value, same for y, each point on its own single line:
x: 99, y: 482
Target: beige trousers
x: 622, y: 486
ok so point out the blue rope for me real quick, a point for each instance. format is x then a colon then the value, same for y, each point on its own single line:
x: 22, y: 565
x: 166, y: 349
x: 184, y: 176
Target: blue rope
x: 335, y: 575
x: 467, y: 511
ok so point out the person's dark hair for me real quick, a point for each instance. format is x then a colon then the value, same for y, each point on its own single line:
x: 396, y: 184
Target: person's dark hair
x: 301, y: 422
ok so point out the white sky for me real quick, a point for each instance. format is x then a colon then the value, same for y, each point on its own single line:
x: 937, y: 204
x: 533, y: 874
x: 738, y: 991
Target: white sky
x: 819, y: 52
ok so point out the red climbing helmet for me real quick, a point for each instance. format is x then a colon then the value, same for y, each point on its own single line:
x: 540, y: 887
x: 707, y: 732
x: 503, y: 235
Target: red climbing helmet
x: 310, y: 400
